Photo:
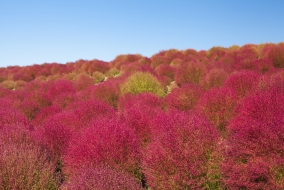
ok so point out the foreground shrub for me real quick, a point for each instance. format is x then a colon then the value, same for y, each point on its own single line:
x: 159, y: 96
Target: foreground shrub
x: 57, y: 131
x: 135, y: 109
x: 29, y: 107
x: 142, y: 82
x: 181, y: 155
x: 105, y: 143
x: 101, y: 178
x: 45, y: 113
x: 10, y: 116
x: 254, y: 154
x: 23, y: 164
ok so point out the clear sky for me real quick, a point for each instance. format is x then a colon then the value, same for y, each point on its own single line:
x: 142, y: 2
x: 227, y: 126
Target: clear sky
x: 39, y: 31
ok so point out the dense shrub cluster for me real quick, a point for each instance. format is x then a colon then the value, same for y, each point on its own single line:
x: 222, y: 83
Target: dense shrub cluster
x: 177, y: 120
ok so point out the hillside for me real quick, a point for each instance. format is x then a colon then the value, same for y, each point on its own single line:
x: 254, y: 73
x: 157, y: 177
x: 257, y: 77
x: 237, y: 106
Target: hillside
x: 177, y: 120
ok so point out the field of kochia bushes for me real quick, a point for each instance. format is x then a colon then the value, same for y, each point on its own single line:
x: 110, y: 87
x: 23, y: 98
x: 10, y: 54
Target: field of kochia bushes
x: 177, y: 120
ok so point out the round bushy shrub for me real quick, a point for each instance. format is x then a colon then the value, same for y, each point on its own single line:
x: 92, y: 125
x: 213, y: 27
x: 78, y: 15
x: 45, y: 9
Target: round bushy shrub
x: 184, y: 98
x: 219, y: 106
x: 254, y: 154
x: 10, y: 116
x: 106, y: 142
x: 181, y: 155
x: 276, y: 54
x: 142, y: 82
x: 190, y: 72
x: 242, y: 82
x: 57, y: 131
x: 101, y: 178
x: 135, y: 109
x: 214, y: 78
x: 23, y: 163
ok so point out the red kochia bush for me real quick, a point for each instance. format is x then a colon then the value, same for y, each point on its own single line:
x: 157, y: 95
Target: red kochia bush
x: 57, y: 131
x: 106, y: 142
x: 219, y: 106
x: 101, y: 178
x: 181, y: 154
x: 276, y: 54
x: 185, y: 98
x: 45, y: 113
x: 254, y: 153
x: 59, y: 87
x: 108, y: 92
x: 138, y: 111
x: 242, y: 82
x: 23, y: 163
x: 190, y: 72
x: 214, y: 78
x: 86, y: 111
x: 9, y: 116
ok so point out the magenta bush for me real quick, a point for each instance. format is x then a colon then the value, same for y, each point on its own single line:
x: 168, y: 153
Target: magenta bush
x: 45, y: 113
x: 60, y: 86
x: 138, y: 111
x: 184, y: 98
x: 108, y: 92
x: 57, y: 131
x: 214, y: 78
x: 23, y: 163
x: 219, y: 107
x: 29, y: 107
x: 253, y: 153
x: 106, y: 142
x: 10, y: 116
x: 101, y: 178
x: 64, y: 99
x: 242, y: 82
x: 86, y: 111
x: 190, y: 72
x: 166, y: 70
x: 181, y: 153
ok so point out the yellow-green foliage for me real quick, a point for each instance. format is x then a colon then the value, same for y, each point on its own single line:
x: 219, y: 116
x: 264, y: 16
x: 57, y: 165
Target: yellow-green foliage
x: 113, y: 72
x: 142, y: 82
x: 98, y: 77
x: 8, y: 84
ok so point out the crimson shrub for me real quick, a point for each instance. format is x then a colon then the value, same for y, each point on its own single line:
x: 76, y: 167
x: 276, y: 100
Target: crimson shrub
x: 181, y: 153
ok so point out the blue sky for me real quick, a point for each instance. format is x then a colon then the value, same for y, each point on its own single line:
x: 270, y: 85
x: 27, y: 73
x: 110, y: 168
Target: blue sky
x: 39, y: 31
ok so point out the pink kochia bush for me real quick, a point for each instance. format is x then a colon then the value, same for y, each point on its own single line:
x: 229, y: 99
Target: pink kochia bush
x: 254, y: 149
x: 219, y: 106
x: 23, y: 163
x: 138, y: 111
x: 190, y: 72
x: 181, y: 155
x: 105, y: 143
x: 56, y: 132
x: 86, y: 111
x: 242, y: 82
x: 10, y: 116
x: 185, y: 98
x: 101, y: 178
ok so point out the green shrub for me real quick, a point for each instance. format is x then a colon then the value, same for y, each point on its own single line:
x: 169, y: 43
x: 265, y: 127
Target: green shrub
x: 142, y: 82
